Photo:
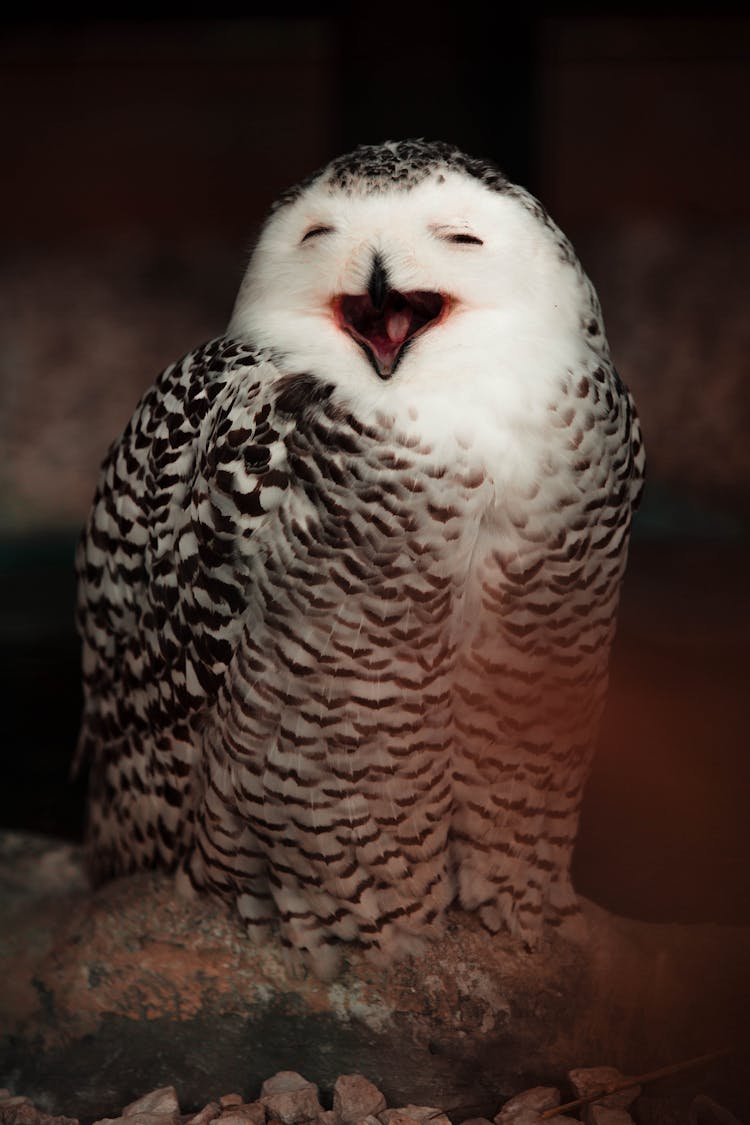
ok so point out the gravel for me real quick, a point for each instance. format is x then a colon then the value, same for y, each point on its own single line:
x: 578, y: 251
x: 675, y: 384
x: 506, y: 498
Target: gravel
x: 290, y: 1098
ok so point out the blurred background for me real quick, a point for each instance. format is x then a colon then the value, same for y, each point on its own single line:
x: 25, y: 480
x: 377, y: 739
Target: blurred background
x: 140, y: 154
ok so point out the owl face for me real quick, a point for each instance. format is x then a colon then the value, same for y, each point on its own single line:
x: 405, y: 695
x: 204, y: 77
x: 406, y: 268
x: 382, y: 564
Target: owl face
x: 441, y: 286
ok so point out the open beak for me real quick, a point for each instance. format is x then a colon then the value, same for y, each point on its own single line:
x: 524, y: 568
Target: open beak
x: 384, y: 321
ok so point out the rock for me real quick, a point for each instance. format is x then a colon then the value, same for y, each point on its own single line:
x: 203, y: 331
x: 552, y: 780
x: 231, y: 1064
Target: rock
x: 247, y: 1113
x: 369, y: 1120
x: 704, y: 1109
x: 420, y: 1113
x: 135, y: 1119
x: 537, y: 1100
x: 284, y: 1082
x: 18, y: 1111
x: 231, y: 1099
x: 397, y: 1117
x: 203, y: 1116
x: 527, y: 1116
x: 588, y: 1080
x: 21, y: 1111
x: 355, y: 1097
x: 599, y: 1114
x: 477, y: 1121
x: 175, y: 988
x: 290, y: 1098
x: 4, y: 1095
x: 160, y: 1103
x: 159, y: 1107
x: 524, y: 1116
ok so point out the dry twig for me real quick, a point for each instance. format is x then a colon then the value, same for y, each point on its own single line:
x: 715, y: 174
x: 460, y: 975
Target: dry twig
x: 636, y: 1080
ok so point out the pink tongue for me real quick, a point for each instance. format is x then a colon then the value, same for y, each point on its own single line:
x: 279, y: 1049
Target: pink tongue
x: 397, y: 326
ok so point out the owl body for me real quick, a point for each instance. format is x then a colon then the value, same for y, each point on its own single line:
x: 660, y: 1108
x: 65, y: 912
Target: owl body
x: 350, y: 579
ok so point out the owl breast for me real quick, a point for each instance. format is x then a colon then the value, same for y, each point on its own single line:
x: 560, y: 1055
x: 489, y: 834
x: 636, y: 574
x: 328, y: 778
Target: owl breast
x: 418, y: 635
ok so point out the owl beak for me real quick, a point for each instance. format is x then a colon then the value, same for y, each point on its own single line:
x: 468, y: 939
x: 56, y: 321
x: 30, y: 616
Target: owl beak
x: 384, y: 321
x: 378, y: 287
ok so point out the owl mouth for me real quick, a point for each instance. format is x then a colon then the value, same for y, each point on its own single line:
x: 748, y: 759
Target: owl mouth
x: 384, y: 333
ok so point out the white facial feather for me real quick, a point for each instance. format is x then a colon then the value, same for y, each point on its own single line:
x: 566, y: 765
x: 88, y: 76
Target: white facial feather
x: 485, y: 374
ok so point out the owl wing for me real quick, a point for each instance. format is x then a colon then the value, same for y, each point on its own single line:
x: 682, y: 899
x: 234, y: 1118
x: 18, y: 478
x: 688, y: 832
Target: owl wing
x: 165, y: 578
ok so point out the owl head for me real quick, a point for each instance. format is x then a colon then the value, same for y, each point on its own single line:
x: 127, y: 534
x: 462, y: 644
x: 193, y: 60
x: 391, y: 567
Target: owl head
x: 411, y: 266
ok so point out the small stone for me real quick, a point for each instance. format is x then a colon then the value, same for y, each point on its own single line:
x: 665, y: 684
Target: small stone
x: 161, y: 1103
x: 231, y: 1099
x: 537, y: 1100
x: 524, y: 1116
x: 247, y: 1113
x: 419, y: 1113
x: 283, y: 1082
x: 599, y: 1114
x: 19, y: 1111
x: 429, y: 1114
x: 4, y: 1094
x: 203, y: 1116
x: 588, y: 1080
x: 532, y: 1117
x: 397, y: 1117
x: 143, y: 1119
x: 355, y: 1097
x: 328, y: 1117
x: 369, y: 1120
x: 137, y: 1118
x: 290, y: 1098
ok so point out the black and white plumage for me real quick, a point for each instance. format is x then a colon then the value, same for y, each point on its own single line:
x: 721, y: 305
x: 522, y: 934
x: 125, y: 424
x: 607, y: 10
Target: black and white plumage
x: 349, y: 583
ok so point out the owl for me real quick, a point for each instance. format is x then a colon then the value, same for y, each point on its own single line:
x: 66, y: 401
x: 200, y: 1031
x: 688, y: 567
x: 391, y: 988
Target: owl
x: 349, y: 583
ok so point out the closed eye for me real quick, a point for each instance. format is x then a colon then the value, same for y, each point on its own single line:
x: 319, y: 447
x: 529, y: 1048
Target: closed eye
x: 315, y: 232
x: 463, y: 238
x: 458, y: 237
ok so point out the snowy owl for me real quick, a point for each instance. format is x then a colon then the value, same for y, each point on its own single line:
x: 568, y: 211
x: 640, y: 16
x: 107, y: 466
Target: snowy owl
x: 349, y: 583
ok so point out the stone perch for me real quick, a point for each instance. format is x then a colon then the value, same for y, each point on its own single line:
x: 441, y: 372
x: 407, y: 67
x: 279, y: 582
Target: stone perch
x: 109, y: 994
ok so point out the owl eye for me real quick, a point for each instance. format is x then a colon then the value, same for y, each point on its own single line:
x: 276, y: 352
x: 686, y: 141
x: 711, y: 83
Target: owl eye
x: 314, y: 232
x: 464, y: 239
x: 458, y: 237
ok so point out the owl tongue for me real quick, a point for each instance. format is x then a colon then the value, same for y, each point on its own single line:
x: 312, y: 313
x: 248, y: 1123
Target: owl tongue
x: 384, y: 331
x: 397, y: 326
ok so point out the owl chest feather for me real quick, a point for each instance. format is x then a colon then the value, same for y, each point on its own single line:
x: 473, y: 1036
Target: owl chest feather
x: 391, y: 571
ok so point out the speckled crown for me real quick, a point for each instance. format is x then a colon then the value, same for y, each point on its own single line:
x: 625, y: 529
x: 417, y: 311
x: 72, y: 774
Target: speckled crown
x: 400, y: 164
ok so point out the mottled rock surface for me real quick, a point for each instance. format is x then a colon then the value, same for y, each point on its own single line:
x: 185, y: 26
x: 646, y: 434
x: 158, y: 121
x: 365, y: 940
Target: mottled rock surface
x: 290, y: 1098
x: 105, y: 995
x: 355, y: 1098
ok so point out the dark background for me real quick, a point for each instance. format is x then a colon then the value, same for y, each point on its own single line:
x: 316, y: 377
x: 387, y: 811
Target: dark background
x: 140, y: 153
